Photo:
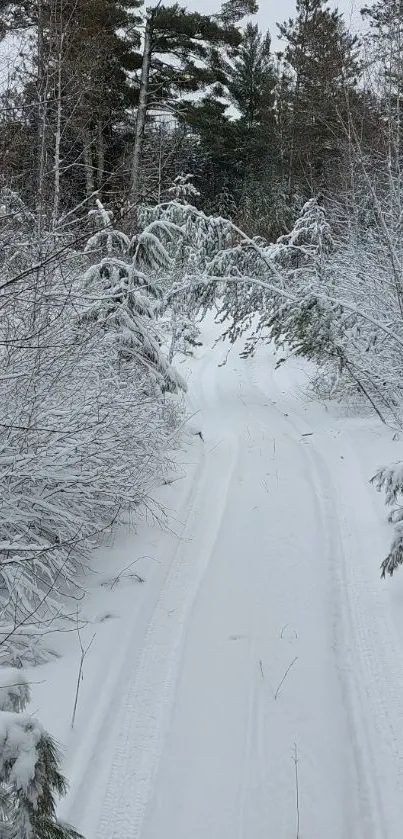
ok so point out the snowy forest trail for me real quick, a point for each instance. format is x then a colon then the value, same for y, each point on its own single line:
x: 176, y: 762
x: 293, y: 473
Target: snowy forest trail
x: 269, y: 664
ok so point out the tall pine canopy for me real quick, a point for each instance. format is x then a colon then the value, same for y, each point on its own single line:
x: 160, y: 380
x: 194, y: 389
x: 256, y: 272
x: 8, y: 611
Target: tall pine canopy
x: 320, y: 61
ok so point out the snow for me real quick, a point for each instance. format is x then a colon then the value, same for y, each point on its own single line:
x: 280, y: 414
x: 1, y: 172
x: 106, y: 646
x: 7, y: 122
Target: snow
x: 14, y: 689
x: 12, y: 47
x: 19, y: 736
x: 261, y: 636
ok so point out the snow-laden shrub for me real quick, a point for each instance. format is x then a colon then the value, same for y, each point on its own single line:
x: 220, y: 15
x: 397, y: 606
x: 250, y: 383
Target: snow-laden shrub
x: 30, y: 776
x: 124, y: 302
x: 85, y: 421
x: 184, y: 334
x: 183, y: 189
x: 331, y: 301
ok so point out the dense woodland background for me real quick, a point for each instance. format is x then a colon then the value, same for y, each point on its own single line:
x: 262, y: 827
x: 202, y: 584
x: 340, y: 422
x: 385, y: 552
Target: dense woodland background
x: 155, y: 163
x: 259, y: 132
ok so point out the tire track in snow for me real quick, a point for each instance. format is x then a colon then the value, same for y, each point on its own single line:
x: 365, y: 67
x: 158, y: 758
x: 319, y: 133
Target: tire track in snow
x: 371, y: 816
x: 90, y: 751
x: 375, y: 676
x: 372, y: 681
x: 250, y: 724
x: 268, y: 791
x: 371, y: 821
x: 150, y: 688
x: 367, y: 646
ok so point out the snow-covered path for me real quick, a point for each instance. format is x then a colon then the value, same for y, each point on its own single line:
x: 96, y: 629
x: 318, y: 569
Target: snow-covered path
x: 269, y: 640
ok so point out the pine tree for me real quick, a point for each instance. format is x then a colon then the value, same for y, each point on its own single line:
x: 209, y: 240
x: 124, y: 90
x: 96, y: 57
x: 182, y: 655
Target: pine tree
x: 242, y: 150
x: 126, y: 300
x: 183, y: 53
x: 321, y: 65
x: 99, y: 60
x: 232, y: 11
x: 251, y: 79
x: 252, y: 84
x: 30, y: 776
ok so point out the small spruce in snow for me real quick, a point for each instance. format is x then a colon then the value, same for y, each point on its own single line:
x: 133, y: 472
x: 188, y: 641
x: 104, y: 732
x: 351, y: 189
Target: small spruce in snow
x: 30, y: 778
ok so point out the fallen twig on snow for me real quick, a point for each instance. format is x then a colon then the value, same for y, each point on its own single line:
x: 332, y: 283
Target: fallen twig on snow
x: 285, y: 676
x: 84, y: 651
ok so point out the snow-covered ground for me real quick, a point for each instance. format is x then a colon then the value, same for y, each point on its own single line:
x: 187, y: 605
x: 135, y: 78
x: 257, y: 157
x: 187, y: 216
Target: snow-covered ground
x: 261, y: 658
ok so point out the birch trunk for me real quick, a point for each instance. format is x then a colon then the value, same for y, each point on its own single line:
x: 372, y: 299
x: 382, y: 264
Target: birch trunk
x: 42, y: 119
x: 142, y: 109
x: 58, y: 134
x: 88, y: 165
x: 100, y: 156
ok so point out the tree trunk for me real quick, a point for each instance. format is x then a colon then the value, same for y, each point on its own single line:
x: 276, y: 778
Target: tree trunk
x: 160, y: 165
x: 100, y: 156
x: 58, y: 134
x: 88, y: 165
x: 291, y: 161
x: 42, y: 119
x: 142, y: 109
